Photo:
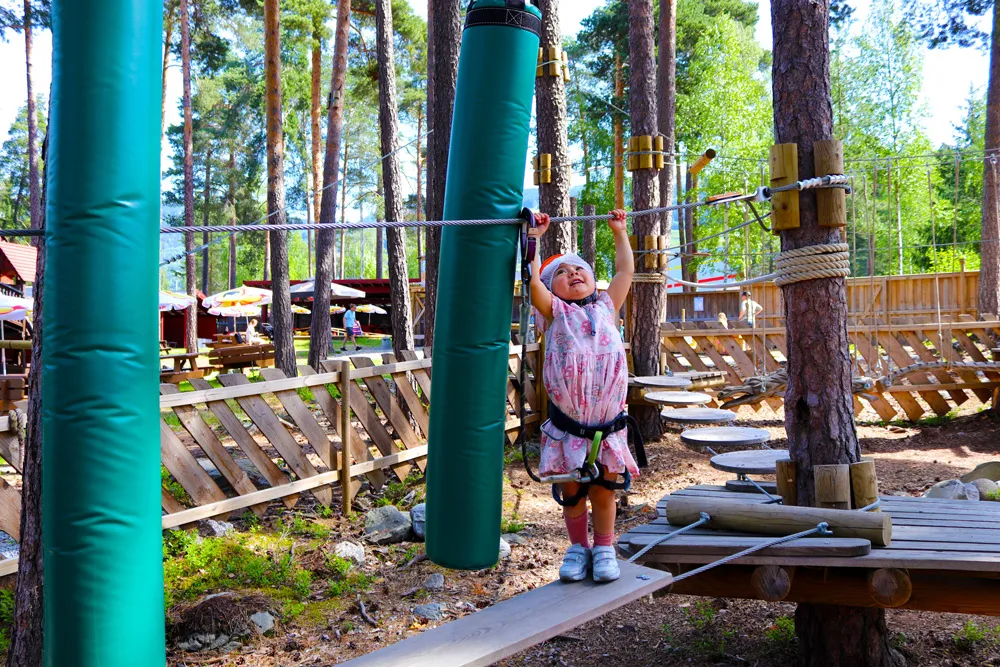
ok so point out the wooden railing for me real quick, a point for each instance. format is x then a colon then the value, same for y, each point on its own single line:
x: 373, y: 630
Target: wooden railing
x: 879, y: 351
x: 283, y: 437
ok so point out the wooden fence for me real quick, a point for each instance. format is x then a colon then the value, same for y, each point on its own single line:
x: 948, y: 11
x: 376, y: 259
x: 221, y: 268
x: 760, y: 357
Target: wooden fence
x: 879, y: 352
x: 886, y: 298
x: 242, y: 445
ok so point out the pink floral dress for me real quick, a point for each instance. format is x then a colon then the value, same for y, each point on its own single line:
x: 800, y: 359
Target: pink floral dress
x: 586, y: 376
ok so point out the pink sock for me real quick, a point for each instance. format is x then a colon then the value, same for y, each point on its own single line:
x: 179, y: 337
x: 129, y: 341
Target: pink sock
x: 603, y: 540
x: 577, y: 528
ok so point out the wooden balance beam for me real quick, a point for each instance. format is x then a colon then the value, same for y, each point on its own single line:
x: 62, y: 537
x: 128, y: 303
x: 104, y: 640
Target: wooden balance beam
x: 511, y: 626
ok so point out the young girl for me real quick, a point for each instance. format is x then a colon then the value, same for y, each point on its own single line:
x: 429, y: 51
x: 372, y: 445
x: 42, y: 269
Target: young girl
x: 586, y: 377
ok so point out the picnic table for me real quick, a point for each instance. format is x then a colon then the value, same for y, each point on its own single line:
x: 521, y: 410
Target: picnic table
x: 185, y: 367
x: 242, y: 356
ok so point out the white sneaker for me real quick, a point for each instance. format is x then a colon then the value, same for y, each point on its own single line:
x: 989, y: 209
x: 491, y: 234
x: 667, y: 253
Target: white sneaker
x: 605, y: 564
x: 576, y: 564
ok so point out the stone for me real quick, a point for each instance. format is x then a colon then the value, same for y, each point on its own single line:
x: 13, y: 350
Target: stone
x: 219, y: 642
x: 387, y: 525
x: 952, y: 489
x: 434, y: 582
x: 504, y: 549
x: 410, y: 497
x: 432, y: 611
x: 514, y: 538
x: 264, y: 621
x: 189, y: 645
x: 989, y: 470
x: 213, y: 528
x: 351, y: 552
x: 986, y: 488
x: 418, y: 516
x: 231, y: 647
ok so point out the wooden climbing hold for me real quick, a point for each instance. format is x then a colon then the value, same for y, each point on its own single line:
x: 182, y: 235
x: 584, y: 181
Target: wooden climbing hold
x: 543, y: 168
x: 833, y: 486
x: 784, y: 171
x: 786, y: 476
x: 864, y: 485
x: 831, y: 203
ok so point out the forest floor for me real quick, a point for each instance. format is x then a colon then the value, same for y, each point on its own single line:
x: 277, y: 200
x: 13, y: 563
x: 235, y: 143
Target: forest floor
x: 321, y: 621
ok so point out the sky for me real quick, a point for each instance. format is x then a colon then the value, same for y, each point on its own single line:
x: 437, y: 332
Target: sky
x: 948, y: 74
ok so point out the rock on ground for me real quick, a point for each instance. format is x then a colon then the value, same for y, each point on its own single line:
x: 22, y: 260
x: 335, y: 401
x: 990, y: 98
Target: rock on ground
x: 350, y: 551
x: 213, y: 528
x: 387, y: 525
x: 985, y: 487
x: 514, y: 538
x: 264, y: 621
x: 434, y: 582
x: 952, y: 489
x: 989, y: 470
x: 504, y: 549
x: 433, y: 611
x: 418, y: 516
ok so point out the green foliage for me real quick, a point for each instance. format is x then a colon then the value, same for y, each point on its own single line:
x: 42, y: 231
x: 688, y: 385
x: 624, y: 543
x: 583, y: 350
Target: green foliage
x: 711, y: 634
x: 194, y: 566
x: 301, y: 526
x: 15, y: 211
x: 6, y: 618
x: 511, y: 525
x: 174, y: 488
x: 972, y: 636
x: 344, y: 580
x: 782, y: 632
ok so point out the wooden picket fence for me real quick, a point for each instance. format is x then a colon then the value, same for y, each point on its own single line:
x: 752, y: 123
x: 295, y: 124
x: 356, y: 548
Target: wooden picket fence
x: 880, y: 352
x: 283, y: 437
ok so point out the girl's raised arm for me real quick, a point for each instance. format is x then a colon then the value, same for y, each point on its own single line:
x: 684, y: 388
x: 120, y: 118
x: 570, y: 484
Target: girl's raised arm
x: 624, y: 261
x: 541, y: 297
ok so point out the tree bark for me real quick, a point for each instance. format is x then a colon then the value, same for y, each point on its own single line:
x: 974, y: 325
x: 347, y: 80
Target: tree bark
x: 380, y: 215
x: 231, y: 204
x: 281, y: 303
x: 619, y: 134
x: 574, y: 207
x: 666, y: 71
x: 326, y: 239
x: 444, y: 27
x: 420, y: 174
x: 190, y: 314
x: 590, y: 236
x: 206, y: 237
x: 168, y: 33
x: 343, y: 212
x: 34, y: 189
x: 550, y: 104
x: 26, y: 635
x: 819, y: 418
x: 399, y: 282
x: 648, y: 298
x: 989, y: 269
x: 315, y: 109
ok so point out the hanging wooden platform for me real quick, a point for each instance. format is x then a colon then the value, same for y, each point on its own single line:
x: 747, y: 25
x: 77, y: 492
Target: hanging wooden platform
x: 944, y: 556
x: 511, y: 626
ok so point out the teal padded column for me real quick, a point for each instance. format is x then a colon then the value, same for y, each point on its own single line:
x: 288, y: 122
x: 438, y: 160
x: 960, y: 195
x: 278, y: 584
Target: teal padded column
x: 100, y: 420
x: 486, y: 165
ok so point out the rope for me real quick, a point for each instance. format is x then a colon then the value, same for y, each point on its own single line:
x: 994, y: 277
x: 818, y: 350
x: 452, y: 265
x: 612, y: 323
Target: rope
x: 754, y: 389
x: 830, y: 260
x: 705, y: 518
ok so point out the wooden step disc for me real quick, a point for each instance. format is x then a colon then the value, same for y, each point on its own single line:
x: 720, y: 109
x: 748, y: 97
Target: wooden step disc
x: 661, y: 381
x: 677, y: 397
x: 698, y: 416
x: 726, y: 436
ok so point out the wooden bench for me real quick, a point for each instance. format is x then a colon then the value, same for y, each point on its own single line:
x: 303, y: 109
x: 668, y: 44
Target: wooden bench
x: 13, y: 389
x: 185, y: 368
x: 242, y: 356
x: 513, y: 625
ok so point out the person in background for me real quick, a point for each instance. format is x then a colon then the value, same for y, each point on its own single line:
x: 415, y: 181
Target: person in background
x: 350, y: 327
x: 251, y: 333
x: 749, y: 309
x: 723, y: 320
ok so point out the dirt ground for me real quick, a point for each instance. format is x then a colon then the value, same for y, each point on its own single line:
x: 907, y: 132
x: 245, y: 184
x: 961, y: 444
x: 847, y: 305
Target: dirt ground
x: 666, y: 631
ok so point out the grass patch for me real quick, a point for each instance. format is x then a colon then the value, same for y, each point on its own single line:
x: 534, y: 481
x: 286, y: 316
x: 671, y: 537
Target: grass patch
x: 301, y: 526
x: 511, y: 525
x: 194, y: 566
x: 6, y: 618
x: 174, y: 488
x: 972, y: 635
x: 782, y: 632
x: 344, y: 580
x: 938, y: 420
x: 711, y: 635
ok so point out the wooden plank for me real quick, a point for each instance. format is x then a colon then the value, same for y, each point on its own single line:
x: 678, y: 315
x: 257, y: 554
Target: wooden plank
x: 373, y: 425
x: 246, y: 442
x: 903, y: 359
x: 191, y: 420
x: 186, y: 469
x: 167, y: 501
x: 514, y: 365
x: 916, y: 342
x: 724, y: 544
x: 915, y: 559
x: 705, y: 345
x: 949, y: 353
x: 333, y: 410
x: 304, y: 419
x: 261, y: 414
x: 206, y: 392
x: 509, y: 627
x: 404, y: 391
x: 871, y: 355
x: 970, y: 348
x: 398, y: 367
x: 399, y: 420
x: 420, y: 375
x: 10, y: 450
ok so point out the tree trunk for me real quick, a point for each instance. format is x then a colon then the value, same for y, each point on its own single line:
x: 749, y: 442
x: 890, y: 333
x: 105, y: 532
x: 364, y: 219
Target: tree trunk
x: 819, y: 417
x: 989, y: 270
x: 590, y: 236
x: 168, y: 33
x: 444, y: 26
x: 574, y: 207
x: 267, y: 256
x: 666, y: 72
x: 231, y: 204
x: 326, y: 239
x: 26, y: 635
x: 420, y: 175
x: 343, y: 212
x: 34, y: 189
x: 388, y: 114
x: 190, y: 314
x: 648, y: 298
x: 315, y: 109
x: 550, y: 104
x: 281, y: 303
x: 380, y: 215
x: 205, y: 237
x: 619, y: 137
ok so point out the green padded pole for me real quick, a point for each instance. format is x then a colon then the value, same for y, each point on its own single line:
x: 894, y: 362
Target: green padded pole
x: 489, y: 145
x: 100, y: 413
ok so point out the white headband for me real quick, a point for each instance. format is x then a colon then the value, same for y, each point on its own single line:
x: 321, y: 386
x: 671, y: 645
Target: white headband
x: 569, y: 258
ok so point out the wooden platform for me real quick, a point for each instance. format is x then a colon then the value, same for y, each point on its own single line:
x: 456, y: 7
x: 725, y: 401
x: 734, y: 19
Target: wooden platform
x: 511, y: 626
x: 948, y: 551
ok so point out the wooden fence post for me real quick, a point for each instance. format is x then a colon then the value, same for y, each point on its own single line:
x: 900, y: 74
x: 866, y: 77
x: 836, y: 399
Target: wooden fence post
x: 345, y: 435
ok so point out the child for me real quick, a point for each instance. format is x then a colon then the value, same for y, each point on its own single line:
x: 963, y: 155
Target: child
x: 586, y: 377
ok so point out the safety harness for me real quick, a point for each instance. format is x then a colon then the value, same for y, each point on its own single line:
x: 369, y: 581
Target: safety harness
x: 592, y: 471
